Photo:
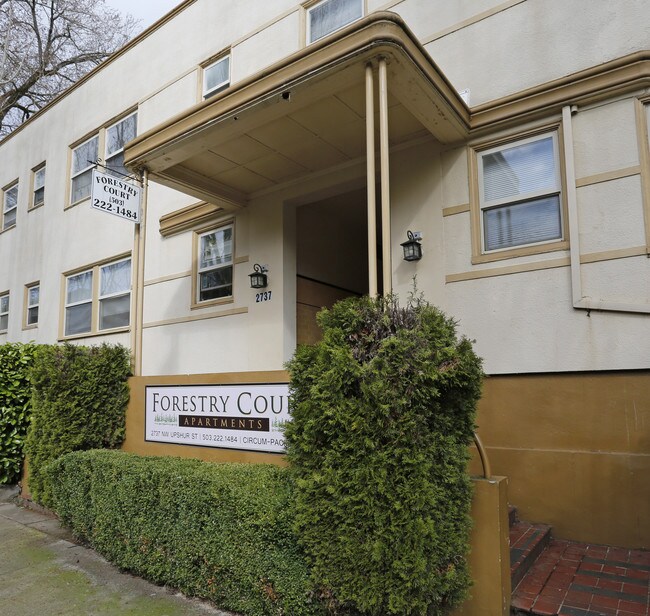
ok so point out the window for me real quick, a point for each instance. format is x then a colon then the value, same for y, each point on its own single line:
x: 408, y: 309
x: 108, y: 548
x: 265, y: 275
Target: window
x: 216, y: 77
x: 214, y: 265
x: 32, y: 293
x: 91, y: 308
x: 38, y: 194
x: 117, y: 136
x: 4, y: 312
x: 520, y: 193
x: 83, y: 161
x: 330, y: 15
x: 10, y: 206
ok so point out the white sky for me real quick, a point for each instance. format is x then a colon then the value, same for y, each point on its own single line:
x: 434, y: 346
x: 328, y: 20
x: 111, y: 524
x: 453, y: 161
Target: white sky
x: 147, y: 11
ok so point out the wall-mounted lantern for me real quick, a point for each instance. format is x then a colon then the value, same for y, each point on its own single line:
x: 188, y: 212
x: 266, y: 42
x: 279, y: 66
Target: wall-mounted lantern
x: 259, y: 279
x: 412, y: 247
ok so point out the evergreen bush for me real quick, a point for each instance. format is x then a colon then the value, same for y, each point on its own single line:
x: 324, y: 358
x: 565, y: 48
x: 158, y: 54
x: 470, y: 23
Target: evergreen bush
x: 79, y: 401
x: 15, y: 407
x: 222, y: 532
x: 382, y: 415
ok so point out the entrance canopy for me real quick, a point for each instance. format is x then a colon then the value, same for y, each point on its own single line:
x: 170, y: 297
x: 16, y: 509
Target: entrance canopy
x: 304, y: 114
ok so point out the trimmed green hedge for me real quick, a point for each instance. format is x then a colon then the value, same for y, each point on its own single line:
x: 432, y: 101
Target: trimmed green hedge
x: 79, y: 401
x: 382, y: 414
x: 218, y: 531
x: 15, y: 408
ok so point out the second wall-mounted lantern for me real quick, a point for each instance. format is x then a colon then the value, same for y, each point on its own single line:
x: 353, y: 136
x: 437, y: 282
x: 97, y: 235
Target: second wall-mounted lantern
x: 412, y: 247
x: 259, y: 279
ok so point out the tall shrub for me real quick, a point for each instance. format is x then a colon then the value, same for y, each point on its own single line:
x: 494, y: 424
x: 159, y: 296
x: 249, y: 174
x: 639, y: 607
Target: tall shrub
x: 79, y: 402
x: 15, y: 408
x: 382, y: 413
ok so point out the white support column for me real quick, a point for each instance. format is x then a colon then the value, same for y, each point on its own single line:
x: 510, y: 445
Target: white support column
x: 385, y: 178
x: 137, y: 264
x: 370, y: 181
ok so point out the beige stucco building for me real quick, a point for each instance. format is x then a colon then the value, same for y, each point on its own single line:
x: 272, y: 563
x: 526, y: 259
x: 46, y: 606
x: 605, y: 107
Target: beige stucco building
x: 310, y: 138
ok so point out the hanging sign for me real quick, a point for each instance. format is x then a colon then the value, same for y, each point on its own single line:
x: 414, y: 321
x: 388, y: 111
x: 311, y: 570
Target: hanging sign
x: 115, y: 196
x: 249, y: 417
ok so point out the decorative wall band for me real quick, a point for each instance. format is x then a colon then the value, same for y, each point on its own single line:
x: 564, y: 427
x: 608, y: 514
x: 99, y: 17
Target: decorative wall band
x: 609, y: 255
x: 456, y: 209
x: 512, y: 269
x: 162, y: 279
x: 608, y: 176
x: 197, y: 317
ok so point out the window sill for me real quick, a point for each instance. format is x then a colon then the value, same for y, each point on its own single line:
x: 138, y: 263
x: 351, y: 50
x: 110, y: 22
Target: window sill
x: 8, y: 229
x: 35, y: 207
x: 520, y: 251
x: 103, y: 332
x: 212, y: 302
x: 27, y: 327
x: 76, y: 203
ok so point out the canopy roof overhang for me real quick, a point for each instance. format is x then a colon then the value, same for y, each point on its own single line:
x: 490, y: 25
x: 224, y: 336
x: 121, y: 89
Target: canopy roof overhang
x: 301, y: 115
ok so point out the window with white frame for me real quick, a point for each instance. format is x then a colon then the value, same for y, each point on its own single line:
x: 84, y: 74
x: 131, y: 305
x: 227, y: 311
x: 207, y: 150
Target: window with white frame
x: 83, y: 161
x: 216, y: 76
x: 327, y: 16
x: 32, y: 304
x: 214, y: 264
x: 520, y: 193
x: 38, y: 194
x: 10, y: 206
x: 4, y: 312
x: 117, y: 136
x: 91, y: 308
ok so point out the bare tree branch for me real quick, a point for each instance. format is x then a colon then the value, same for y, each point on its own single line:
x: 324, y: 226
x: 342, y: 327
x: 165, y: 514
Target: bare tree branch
x: 46, y: 45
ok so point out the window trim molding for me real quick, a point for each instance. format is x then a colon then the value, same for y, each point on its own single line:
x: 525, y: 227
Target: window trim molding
x: 308, y: 6
x: 94, y: 319
x: 206, y: 64
x: 196, y: 234
x: 473, y: 152
x: 26, y: 306
x: 32, y: 184
x: 5, y: 189
x: 8, y: 294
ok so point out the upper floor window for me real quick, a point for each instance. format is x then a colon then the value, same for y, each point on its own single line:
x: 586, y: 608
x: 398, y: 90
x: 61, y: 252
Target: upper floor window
x: 4, y: 312
x: 38, y: 194
x: 327, y: 16
x: 10, y: 206
x: 83, y: 162
x: 32, y: 302
x: 216, y: 76
x: 117, y: 136
x: 214, y: 265
x: 520, y: 193
x: 91, y: 308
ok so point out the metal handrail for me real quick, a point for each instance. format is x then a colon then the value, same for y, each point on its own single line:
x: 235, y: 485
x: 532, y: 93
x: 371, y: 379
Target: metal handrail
x: 487, y: 471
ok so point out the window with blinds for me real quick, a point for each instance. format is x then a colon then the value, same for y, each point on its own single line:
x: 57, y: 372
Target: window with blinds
x: 520, y: 190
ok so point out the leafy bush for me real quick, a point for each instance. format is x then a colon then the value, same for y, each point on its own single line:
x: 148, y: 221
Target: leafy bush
x: 382, y: 413
x: 15, y: 408
x: 79, y: 402
x: 218, y: 531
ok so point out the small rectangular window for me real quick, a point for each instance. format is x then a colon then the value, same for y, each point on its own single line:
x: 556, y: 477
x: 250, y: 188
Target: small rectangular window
x: 38, y: 196
x: 10, y: 207
x: 520, y: 193
x: 4, y: 312
x: 83, y: 161
x: 79, y: 303
x: 33, y: 301
x: 330, y: 15
x: 215, y: 264
x: 216, y: 77
x: 117, y: 136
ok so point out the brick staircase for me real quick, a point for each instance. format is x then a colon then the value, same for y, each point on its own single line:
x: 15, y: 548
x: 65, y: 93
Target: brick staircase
x: 553, y: 577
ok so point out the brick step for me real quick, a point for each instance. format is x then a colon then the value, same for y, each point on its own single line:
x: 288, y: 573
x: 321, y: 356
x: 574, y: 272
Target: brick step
x: 527, y: 542
x: 579, y: 579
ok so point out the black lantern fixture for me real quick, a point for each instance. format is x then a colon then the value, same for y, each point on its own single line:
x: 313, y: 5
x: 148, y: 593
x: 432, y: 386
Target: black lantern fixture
x: 412, y: 247
x: 259, y: 279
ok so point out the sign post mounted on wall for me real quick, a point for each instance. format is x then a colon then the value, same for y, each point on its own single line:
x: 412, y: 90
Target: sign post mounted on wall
x: 248, y: 417
x: 115, y: 196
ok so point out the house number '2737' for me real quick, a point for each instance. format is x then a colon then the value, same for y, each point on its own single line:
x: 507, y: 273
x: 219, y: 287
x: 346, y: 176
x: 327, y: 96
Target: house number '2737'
x: 265, y: 296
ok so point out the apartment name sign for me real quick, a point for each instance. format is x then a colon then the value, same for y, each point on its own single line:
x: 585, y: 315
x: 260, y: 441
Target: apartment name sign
x: 247, y: 417
x: 115, y: 196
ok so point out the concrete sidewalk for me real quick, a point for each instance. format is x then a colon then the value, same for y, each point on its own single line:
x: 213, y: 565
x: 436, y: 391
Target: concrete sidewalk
x: 43, y: 572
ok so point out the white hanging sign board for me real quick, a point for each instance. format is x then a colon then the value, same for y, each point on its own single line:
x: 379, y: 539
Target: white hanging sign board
x: 115, y: 196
